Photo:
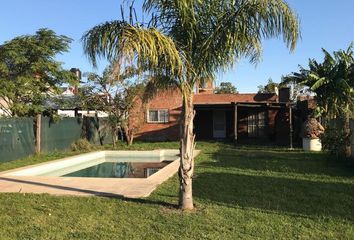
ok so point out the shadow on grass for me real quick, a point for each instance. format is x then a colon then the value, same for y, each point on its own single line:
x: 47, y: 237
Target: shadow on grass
x: 279, y: 161
x: 277, y: 194
x: 94, y: 193
x: 217, y: 182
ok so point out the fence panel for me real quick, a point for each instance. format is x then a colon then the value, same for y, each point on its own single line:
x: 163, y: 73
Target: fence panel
x: 96, y: 130
x: 16, y: 138
x: 105, y: 131
x: 59, y: 135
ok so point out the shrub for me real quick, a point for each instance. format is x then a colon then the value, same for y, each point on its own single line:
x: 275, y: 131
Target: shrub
x: 81, y: 145
x: 334, y: 140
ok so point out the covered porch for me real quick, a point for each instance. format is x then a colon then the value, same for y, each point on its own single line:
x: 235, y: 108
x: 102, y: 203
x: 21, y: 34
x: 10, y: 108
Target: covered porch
x: 243, y: 122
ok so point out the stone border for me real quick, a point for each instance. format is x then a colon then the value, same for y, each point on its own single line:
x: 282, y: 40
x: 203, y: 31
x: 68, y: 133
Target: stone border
x: 79, y: 186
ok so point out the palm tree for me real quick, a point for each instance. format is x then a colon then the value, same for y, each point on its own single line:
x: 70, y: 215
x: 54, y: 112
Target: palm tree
x: 185, y: 43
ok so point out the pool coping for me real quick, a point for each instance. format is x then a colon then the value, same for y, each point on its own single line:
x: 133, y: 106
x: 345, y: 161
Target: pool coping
x: 80, y: 186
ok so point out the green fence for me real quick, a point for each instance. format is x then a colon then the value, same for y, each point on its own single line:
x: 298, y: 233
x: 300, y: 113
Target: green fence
x: 16, y: 138
x: 96, y: 130
x: 56, y: 136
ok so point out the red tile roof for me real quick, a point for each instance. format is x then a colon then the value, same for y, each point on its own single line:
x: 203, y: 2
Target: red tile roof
x: 229, y: 98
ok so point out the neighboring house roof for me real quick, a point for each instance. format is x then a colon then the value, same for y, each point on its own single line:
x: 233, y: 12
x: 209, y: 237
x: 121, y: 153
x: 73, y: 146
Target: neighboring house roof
x: 231, y: 98
x: 69, y: 91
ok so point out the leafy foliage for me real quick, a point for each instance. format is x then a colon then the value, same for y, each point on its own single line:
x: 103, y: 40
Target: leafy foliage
x: 270, y: 87
x: 332, y: 81
x: 125, y: 43
x: 81, y: 145
x: 334, y: 140
x: 29, y: 72
x: 226, y: 87
x: 114, y: 94
x: 190, y: 40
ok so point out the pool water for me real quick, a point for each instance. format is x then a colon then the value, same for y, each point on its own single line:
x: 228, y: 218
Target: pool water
x: 119, y: 170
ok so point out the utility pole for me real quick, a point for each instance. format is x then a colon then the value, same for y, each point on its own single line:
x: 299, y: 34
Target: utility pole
x: 235, y: 124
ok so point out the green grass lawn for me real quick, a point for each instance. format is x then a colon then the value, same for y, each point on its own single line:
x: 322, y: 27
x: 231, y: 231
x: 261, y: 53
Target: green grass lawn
x: 247, y: 193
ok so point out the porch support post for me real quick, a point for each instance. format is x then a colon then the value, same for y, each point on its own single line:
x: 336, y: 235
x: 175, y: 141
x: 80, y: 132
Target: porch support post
x: 235, y: 123
x: 291, y: 126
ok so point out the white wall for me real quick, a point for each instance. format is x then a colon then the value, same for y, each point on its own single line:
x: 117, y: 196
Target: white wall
x: 71, y: 113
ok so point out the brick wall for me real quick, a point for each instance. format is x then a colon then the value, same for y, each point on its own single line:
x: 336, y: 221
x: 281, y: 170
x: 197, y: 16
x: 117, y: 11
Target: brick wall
x: 168, y: 99
x: 206, y: 88
x: 172, y: 100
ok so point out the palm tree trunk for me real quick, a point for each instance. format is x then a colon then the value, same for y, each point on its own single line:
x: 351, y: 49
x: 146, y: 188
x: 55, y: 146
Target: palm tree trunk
x: 187, y: 145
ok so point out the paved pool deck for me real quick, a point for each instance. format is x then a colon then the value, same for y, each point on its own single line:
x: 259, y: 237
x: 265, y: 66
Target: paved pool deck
x: 79, y: 186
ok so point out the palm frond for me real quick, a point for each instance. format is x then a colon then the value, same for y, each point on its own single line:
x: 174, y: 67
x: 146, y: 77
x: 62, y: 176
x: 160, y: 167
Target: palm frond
x: 240, y: 26
x: 194, y: 39
x: 127, y: 44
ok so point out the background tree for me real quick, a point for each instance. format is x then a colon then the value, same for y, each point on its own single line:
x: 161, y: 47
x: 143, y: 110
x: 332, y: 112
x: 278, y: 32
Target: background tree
x: 186, y: 43
x: 115, y: 95
x: 226, y: 87
x: 29, y: 72
x: 270, y: 87
x: 332, y: 81
x: 296, y: 88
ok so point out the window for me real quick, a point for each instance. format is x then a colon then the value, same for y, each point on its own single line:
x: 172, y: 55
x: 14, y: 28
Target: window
x: 158, y: 116
x: 153, y: 116
x: 261, y: 124
x: 256, y: 124
x: 252, y: 125
x: 150, y: 171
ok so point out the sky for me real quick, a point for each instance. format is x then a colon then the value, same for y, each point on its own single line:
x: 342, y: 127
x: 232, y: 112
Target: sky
x: 324, y: 24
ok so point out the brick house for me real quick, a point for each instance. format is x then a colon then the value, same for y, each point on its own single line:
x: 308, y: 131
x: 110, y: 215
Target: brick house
x: 259, y: 117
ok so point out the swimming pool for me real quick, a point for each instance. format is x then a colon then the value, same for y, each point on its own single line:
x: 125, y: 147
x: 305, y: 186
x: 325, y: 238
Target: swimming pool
x: 131, y: 174
x: 105, y: 164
